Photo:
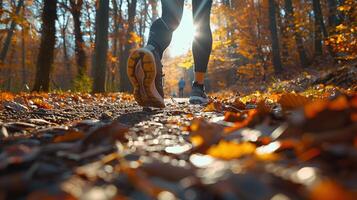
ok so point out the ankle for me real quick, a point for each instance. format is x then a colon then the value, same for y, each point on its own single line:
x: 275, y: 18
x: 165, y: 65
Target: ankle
x: 197, y: 84
x: 155, y: 48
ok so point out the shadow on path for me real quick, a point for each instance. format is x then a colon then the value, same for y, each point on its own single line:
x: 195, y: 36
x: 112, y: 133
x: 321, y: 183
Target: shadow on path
x: 136, y: 117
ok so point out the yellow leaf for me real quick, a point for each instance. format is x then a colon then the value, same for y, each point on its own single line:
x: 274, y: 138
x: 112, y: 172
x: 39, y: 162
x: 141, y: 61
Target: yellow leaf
x: 231, y: 150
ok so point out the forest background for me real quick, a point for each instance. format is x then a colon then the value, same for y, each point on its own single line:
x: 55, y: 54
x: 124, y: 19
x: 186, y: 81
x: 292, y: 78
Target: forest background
x: 83, y: 46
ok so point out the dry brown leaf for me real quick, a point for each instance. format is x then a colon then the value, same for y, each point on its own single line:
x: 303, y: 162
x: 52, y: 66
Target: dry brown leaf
x: 215, y: 106
x: 204, y: 134
x: 263, y: 108
x: 164, y: 170
x: 41, y: 103
x: 233, y: 117
x: 238, y: 104
x: 42, y: 194
x: 329, y: 190
x: 341, y: 103
x: 312, y: 109
x: 108, y: 133
x: 250, y: 116
x: 291, y: 101
x: 69, y: 136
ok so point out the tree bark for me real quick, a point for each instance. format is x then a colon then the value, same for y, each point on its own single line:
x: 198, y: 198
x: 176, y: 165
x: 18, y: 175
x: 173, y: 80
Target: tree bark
x: 76, y: 11
x: 283, y: 36
x: 274, y: 38
x: 143, y: 20
x: 125, y: 85
x: 10, y: 33
x: 68, y: 76
x: 115, y: 44
x: 332, y: 13
x: 320, y: 29
x: 23, y: 51
x: 48, y: 40
x: 298, y: 39
x: 101, y: 45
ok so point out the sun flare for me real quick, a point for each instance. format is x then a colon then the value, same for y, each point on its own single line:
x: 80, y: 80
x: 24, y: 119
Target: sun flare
x: 183, y: 36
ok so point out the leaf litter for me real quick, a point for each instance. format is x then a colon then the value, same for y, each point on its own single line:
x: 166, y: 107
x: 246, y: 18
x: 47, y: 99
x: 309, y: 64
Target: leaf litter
x: 274, y: 145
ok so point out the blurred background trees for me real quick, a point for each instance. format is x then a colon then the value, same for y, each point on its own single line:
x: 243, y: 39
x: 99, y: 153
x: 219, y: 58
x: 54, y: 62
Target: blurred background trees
x: 83, y: 45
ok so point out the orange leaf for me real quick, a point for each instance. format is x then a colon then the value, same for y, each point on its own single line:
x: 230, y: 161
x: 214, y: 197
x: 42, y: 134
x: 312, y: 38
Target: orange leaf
x: 310, y: 154
x: 41, y: 104
x: 340, y: 103
x: 6, y: 96
x: 329, y: 190
x: 312, y: 109
x: 251, y: 114
x: 233, y: 117
x: 204, y: 134
x: 263, y: 108
x: 231, y: 150
x: 238, y: 104
x: 215, y: 106
x: 291, y: 101
x: 69, y: 136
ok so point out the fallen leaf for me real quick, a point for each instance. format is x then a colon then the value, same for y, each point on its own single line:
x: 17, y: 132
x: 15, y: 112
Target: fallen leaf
x: 249, y: 117
x: 6, y: 96
x: 263, y: 108
x: 231, y: 150
x: 233, y: 117
x: 338, y: 104
x: 312, y: 109
x: 69, y: 136
x: 41, y: 103
x: 238, y: 104
x: 204, y: 134
x: 291, y: 101
x: 106, y: 134
x: 330, y: 190
x: 214, y: 106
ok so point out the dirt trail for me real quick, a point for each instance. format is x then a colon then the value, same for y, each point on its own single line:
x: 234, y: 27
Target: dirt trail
x: 106, y: 147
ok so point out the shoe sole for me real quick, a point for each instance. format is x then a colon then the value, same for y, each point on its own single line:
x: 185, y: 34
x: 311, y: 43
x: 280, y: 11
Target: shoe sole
x: 141, y: 69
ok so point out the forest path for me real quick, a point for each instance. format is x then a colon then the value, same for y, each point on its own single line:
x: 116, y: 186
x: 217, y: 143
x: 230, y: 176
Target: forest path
x: 46, y: 139
x: 107, y: 147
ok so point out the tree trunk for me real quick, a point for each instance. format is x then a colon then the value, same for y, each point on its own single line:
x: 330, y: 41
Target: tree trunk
x: 320, y: 29
x: 274, y: 38
x: 298, y: 39
x: 68, y: 75
x: 125, y: 85
x: 10, y: 33
x: 76, y: 8
x: 115, y: 44
x: 9, y: 71
x: 332, y: 13
x: 101, y: 45
x: 23, y: 51
x: 143, y: 20
x: 283, y: 36
x: 48, y: 40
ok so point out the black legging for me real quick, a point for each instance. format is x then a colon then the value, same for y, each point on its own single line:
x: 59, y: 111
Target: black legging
x: 162, y: 29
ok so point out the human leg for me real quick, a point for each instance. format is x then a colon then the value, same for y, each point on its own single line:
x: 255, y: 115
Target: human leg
x: 144, y: 64
x: 161, y: 30
x: 202, y: 43
x: 201, y: 48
